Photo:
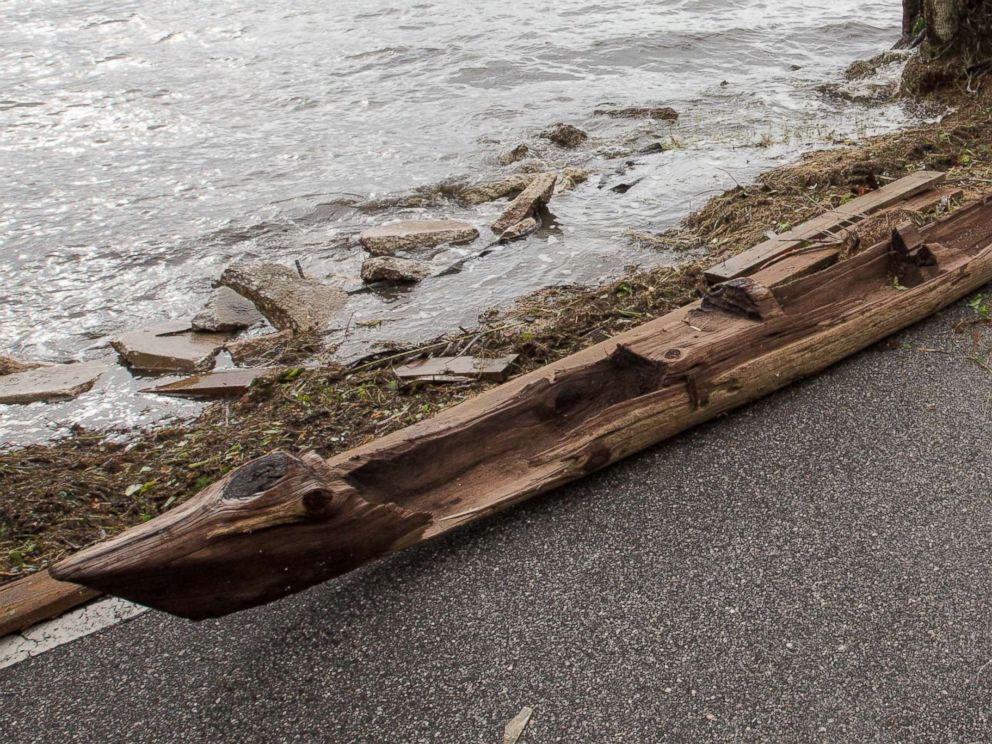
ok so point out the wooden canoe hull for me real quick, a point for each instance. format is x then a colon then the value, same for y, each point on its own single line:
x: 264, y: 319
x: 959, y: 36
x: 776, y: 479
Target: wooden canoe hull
x: 282, y: 523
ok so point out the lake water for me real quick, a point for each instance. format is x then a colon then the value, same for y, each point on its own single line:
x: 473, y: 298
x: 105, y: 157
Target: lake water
x: 144, y: 146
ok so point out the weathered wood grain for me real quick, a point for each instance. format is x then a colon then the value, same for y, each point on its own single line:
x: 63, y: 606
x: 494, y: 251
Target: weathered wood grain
x: 282, y: 523
x: 38, y: 597
x: 825, y: 224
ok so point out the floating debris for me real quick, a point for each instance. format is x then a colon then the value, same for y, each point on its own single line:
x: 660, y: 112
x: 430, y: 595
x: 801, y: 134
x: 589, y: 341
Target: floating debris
x: 520, y: 230
x: 256, y: 348
x: 664, y: 113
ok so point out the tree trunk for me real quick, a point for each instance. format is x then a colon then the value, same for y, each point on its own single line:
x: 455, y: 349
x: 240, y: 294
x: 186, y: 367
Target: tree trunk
x: 957, y: 44
x: 911, y: 10
x: 942, y: 18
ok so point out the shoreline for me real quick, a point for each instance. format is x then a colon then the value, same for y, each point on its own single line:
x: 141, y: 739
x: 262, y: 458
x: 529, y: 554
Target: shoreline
x: 63, y: 496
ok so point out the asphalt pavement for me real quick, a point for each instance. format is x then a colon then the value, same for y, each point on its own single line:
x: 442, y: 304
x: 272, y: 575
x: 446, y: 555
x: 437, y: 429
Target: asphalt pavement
x: 813, y: 567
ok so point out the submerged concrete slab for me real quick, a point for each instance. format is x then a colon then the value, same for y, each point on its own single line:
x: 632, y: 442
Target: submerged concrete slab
x: 416, y: 234
x: 169, y: 347
x: 49, y: 383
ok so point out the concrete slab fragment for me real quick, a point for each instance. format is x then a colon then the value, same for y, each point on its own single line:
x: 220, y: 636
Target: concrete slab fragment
x: 169, y: 347
x: 226, y: 311
x: 520, y: 230
x: 416, y: 234
x: 536, y: 195
x: 49, y: 383
x: 227, y: 383
x: 488, y: 191
x: 287, y: 300
x: 394, y: 269
x: 452, y: 369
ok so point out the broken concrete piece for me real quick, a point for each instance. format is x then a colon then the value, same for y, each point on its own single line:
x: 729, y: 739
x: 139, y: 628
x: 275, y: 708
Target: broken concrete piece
x: 226, y: 383
x: 258, y: 348
x: 226, y: 310
x: 49, y: 382
x: 565, y: 135
x: 527, y: 202
x: 394, y: 269
x: 664, y: 113
x: 169, y: 347
x: 288, y: 301
x: 523, y: 228
x: 450, y: 369
x: 509, y: 157
x: 9, y: 365
x: 488, y: 191
x: 413, y: 234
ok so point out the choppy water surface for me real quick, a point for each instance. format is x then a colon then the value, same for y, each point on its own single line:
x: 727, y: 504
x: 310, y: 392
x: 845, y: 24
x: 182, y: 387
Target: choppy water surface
x: 146, y: 145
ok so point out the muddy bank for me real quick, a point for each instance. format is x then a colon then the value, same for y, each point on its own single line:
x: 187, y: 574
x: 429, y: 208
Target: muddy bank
x: 57, y: 499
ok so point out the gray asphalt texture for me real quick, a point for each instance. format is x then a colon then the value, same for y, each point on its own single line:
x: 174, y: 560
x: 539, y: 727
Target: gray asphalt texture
x: 814, y: 567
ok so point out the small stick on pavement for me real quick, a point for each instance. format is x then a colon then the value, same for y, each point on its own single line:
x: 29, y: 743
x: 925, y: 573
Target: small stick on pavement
x: 516, y: 727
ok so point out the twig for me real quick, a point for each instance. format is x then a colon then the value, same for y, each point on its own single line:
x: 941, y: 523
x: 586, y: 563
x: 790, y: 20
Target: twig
x: 380, y: 425
x: 731, y: 176
x: 427, y: 347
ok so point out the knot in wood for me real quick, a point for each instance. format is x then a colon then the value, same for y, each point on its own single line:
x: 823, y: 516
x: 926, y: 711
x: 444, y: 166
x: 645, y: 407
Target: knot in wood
x: 257, y: 477
x: 319, y: 504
